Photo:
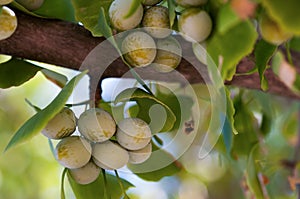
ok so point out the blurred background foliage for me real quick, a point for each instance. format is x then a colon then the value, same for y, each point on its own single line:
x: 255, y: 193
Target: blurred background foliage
x: 30, y: 171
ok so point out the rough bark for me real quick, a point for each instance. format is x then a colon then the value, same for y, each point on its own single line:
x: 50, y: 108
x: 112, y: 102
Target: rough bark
x: 65, y: 44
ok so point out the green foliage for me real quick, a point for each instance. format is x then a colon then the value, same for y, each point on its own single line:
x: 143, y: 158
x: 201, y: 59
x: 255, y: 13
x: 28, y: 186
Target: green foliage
x: 91, y: 15
x: 146, y: 103
x: 286, y: 14
x: 227, y: 51
x: 96, y: 189
x: 37, y: 122
x: 134, y: 6
x: 263, y: 53
x: 159, y: 165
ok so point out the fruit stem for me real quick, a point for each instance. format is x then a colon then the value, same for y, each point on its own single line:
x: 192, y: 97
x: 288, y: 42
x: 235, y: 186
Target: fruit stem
x: 51, y: 146
x: 79, y: 104
x: 62, y: 188
x: 121, y: 185
x: 106, y: 190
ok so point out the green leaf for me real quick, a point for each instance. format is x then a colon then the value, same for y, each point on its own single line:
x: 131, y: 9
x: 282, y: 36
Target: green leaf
x: 227, y: 51
x: 252, y: 174
x: 150, y: 108
x: 103, y: 26
x: 23, y: 9
x: 57, y: 78
x: 37, y: 122
x: 15, y: 72
x: 263, y: 53
x: 62, y: 183
x: 96, y: 188
x: 134, y: 6
x: 159, y: 165
x: 172, y: 13
x: 58, y: 9
x: 226, y: 19
x: 295, y: 44
x: 90, y: 14
x: 286, y: 14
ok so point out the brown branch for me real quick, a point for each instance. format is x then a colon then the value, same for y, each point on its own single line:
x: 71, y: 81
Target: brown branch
x: 67, y: 45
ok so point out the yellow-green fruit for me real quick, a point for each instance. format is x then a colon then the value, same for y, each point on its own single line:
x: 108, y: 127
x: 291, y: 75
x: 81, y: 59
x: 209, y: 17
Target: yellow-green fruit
x: 168, y: 55
x: 118, y: 11
x: 31, y: 4
x: 191, y: 3
x: 73, y: 152
x: 86, y: 174
x: 141, y: 155
x: 8, y: 23
x: 4, y: 2
x: 195, y: 25
x: 133, y: 133
x: 139, y: 49
x: 271, y: 32
x: 62, y: 125
x: 150, y: 2
x: 109, y: 155
x: 96, y: 125
x: 156, y: 21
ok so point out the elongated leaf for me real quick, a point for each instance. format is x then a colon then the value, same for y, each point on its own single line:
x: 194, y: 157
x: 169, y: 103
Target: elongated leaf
x: 227, y: 51
x: 134, y: 6
x: 16, y: 72
x: 227, y: 18
x: 58, y: 9
x: 37, y: 122
x: 62, y: 184
x: 295, y: 44
x: 286, y: 14
x: 96, y: 188
x: 252, y: 174
x: 23, y: 9
x: 159, y: 165
x: 263, y: 53
x: 146, y: 102
x: 172, y: 14
x: 89, y: 13
x: 58, y: 79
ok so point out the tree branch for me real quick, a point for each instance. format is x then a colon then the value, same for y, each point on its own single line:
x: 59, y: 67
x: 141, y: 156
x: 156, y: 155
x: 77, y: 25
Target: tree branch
x: 65, y: 44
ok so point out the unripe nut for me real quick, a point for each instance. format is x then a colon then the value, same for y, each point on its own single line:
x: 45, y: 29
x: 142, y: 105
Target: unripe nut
x: 109, y: 155
x: 133, y: 133
x: 168, y: 55
x: 139, y: 49
x: 150, y: 2
x: 62, y: 125
x: 86, y: 174
x: 141, y: 155
x: 156, y: 22
x: 195, y: 24
x: 8, y: 23
x: 118, y: 11
x: 191, y: 3
x: 96, y: 125
x: 73, y: 152
x: 31, y: 4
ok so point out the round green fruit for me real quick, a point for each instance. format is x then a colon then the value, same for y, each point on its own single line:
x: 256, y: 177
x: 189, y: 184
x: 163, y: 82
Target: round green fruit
x: 156, y: 21
x: 73, y: 152
x: 96, y: 125
x: 139, y: 49
x: 195, y: 25
x: 109, y: 155
x: 8, y: 23
x: 168, y: 55
x: 118, y: 11
x: 133, y: 133
x: 191, y: 3
x: 62, y: 125
x: 141, y: 155
x: 271, y: 32
x: 31, y: 4
x: 86, y: 174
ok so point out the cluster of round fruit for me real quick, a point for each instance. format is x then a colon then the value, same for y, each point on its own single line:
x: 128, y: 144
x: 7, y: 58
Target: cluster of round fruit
x: 102, y: 144
x: 8, y: 19
x: 154, y: 45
